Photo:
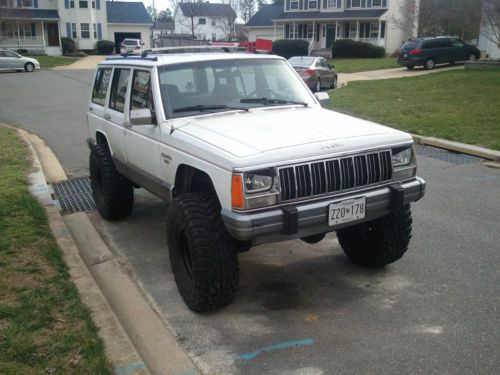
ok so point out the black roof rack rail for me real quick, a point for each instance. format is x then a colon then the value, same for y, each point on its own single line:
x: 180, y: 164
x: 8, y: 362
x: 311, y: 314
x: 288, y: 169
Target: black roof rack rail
x: 127, y: 56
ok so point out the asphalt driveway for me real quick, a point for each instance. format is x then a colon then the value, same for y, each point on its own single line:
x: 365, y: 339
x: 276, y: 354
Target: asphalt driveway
x: 305, y: 309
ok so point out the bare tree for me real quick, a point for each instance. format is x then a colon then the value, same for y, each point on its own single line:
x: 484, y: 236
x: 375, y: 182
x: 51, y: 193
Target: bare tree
x: 227, y: 19
x: 408, y: 17
x: 491, y: 21
x: 187, y: 13
x: 247, y: 9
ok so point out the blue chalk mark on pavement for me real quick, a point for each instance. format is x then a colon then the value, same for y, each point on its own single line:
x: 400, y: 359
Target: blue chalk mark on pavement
x: 129, y: 368
x: 279, y: 346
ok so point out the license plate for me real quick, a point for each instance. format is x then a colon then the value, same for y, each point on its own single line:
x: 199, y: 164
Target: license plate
x: 346, y: 211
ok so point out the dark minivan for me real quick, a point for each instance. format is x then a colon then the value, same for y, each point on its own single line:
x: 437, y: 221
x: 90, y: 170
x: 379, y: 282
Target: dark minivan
x: 428, y: 52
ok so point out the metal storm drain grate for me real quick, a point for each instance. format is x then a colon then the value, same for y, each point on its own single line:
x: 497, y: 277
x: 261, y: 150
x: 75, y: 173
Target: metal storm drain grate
x: 443, y: 155
x: 74, y: 195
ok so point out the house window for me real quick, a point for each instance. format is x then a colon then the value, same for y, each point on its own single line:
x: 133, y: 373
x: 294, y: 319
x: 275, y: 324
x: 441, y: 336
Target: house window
x: 83, y: 4
x: 3, y: 4
x: 93, y: 4
x: 213, y: 22
x: 293, y: 31
x: 355, y: 3
x: 72, y: 3
x: 214, y: 37
x: 73, y: 31
x: 27, y: 3
x: 376, y: 3
x: 313, y: 4
x: 85, y: 30
x: 353, y: 31
x: 374, y: 30
x: 331, y: 4
x: 294, y: 4
x: 95, y: 31
x: 202, y: 21
x: 309, y: 31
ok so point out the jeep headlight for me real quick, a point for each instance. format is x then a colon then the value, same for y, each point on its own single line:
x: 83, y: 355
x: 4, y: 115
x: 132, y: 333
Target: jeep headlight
x: 258, y: 181
x: 404, y: 163
x: 402, y: 157
x: 255, y: 189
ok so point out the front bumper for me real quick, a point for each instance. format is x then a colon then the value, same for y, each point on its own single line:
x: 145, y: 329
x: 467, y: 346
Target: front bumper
x: 304, y: 219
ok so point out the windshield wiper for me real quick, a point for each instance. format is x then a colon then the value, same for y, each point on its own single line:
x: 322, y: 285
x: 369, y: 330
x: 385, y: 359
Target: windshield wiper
x: 271, y: 101
x: 207, y: 108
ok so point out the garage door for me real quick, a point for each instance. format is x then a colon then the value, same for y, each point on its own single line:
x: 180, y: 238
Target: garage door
x: 120, y: 36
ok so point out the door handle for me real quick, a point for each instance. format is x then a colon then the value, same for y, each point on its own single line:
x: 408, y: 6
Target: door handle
x: 107, y: 117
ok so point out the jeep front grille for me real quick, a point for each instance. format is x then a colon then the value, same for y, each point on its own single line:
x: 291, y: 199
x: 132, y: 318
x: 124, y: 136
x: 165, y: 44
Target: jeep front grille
x: 335, y: 175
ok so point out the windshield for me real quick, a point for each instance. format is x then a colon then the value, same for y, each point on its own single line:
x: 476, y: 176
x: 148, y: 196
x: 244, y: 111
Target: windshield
x: 301, y: 60
x: 224, y: 85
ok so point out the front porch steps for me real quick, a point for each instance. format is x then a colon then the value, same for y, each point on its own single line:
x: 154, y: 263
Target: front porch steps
x: 323, y: 52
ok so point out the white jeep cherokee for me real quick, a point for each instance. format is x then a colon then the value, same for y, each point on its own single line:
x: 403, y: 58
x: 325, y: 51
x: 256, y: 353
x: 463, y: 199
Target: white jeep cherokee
x: 245, y: 154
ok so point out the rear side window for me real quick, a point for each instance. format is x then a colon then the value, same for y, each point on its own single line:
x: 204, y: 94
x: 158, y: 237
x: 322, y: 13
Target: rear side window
x: 141, y: 93
x: 119, y: 89
x: 409, y: 46
x: 101, y: 84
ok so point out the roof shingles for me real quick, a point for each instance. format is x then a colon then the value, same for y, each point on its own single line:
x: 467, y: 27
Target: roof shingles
x: 127, y: 12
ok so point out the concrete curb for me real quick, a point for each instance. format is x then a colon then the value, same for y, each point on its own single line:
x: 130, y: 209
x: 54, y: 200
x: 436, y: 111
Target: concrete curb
x: 462, y: 148
x: 136, y: 340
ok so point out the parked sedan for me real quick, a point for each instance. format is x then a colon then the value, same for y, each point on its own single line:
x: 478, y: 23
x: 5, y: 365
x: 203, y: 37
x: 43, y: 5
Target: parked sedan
x: 10, y: 60
x: 428, y: 52
x: 315, y: 71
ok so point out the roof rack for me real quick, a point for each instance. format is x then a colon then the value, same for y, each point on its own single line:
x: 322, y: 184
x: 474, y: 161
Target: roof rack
x: 128, y: 56
x: 194, y: 49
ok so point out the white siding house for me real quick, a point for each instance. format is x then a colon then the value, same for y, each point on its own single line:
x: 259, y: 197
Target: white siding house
x: 206, y: 21
x: 38, y: 25
x: 321, y: 22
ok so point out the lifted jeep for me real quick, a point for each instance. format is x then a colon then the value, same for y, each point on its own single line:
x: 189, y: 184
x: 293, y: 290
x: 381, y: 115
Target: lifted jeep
x: 245, y: 154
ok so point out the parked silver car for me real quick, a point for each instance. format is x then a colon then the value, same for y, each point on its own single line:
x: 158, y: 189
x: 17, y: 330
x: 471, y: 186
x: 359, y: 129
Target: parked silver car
x: 315, y: 71
x: 10, y: 60
x: 131, y: 46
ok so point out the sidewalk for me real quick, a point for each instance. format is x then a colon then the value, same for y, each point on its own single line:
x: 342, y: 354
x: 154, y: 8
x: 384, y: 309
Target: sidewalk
x: 137, y: 340
x: 344, y: 78
x: 87, y: 62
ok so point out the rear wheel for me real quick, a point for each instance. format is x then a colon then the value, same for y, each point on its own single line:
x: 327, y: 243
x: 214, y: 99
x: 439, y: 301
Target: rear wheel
x: 113, y: 193
x: 29, y: 67
x: 203, y: 255
x: 429, y: 64
x: 317, y: 86
x: 378, y: 242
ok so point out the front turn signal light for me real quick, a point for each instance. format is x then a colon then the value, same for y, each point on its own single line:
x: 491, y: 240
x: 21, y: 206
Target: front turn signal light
x: 237, y: 192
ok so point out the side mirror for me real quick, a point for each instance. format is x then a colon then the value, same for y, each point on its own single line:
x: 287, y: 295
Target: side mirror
x: 323, y: 98
x: 141, y: 117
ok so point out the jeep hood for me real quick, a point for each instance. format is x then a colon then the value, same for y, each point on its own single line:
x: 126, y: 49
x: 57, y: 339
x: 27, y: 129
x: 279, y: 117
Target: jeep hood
x: 245, y: 134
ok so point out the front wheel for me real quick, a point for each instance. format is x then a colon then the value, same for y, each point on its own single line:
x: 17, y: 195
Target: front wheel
x: 472, y: 57
x: 378, y: 242
x: 334, y: 83
x: 203, y: 255
x: 29, y: 67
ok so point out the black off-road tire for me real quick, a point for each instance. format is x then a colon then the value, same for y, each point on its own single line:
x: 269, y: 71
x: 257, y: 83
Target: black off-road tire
x: 113, y: 193
x: 203, y: 255
x: 378, y: 242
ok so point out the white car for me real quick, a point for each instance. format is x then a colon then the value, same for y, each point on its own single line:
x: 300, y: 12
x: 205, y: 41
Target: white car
x: 10, y: 60
x: 245, y: 154
x: 131, y: 47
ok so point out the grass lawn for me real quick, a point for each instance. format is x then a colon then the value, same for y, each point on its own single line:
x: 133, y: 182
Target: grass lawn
x: 44, y: 327
x: 361, y: 65
x: 51, y: 61
x: 459, y: 105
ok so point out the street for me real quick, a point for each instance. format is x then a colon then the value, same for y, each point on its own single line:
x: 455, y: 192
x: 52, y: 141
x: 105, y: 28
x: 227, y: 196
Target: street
x: 305, y: 309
